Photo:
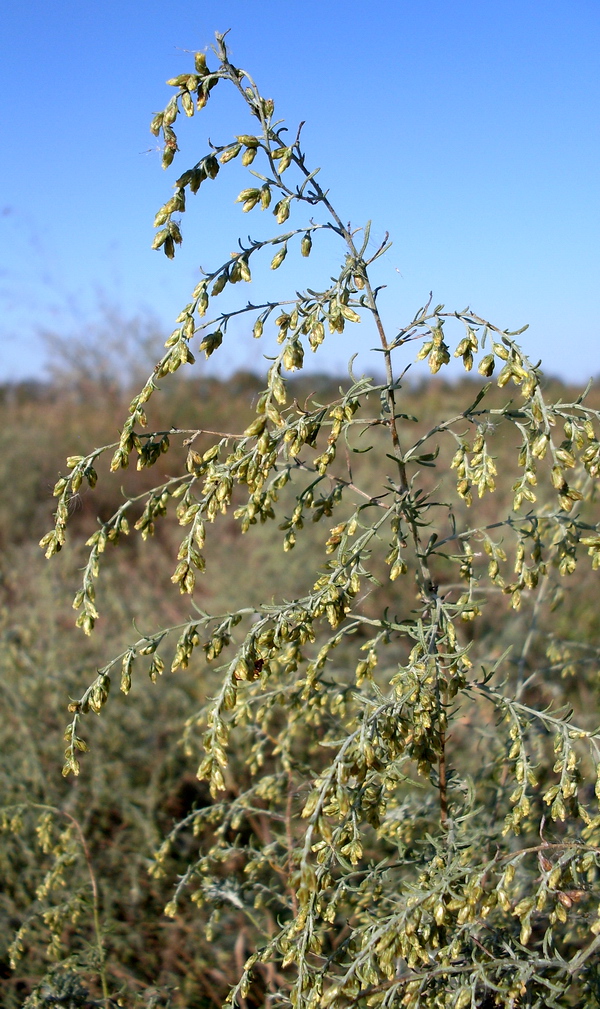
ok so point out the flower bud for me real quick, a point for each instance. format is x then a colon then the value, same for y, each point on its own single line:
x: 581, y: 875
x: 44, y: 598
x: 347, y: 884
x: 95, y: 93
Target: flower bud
x: 160, y: 238
x: 200, y: 63
x: 168, y: 155
x: 170, y: 113
x: 279, y: 257
x: 293, y: 356
x: 156, y: 123
x: 177, y: 82
x: 198, y: 176
x: 211, y: 166
x: 486, y: 365
x: 230, y: 153
x: 284, y: 161
x: 187, y: 103
x: 219, y: 283
x: 316, y: 335
x: 210, y: 342
x: 248, y: 194
x: 282, y: 210
x: 349, y: 313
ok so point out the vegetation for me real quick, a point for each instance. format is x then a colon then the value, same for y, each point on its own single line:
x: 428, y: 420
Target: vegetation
x: 394, y: 730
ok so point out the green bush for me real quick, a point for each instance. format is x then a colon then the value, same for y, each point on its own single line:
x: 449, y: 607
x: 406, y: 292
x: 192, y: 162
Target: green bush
x: 397, y: 725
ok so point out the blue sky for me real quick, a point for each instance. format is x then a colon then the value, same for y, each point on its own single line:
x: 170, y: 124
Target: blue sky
x: 468, y: 130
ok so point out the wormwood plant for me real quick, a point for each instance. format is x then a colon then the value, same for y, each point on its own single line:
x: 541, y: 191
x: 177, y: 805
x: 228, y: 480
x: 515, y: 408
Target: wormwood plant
x: 404, y: 802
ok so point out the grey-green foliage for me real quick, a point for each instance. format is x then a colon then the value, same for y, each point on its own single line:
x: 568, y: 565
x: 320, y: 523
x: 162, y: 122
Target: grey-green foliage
x: 403, y: 814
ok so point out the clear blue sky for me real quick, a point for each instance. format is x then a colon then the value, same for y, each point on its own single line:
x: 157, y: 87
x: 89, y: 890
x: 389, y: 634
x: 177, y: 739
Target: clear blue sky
x: 469, y: 130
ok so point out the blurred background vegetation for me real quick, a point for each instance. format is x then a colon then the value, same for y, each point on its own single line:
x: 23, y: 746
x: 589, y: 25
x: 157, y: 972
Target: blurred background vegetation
x: 138, y: 779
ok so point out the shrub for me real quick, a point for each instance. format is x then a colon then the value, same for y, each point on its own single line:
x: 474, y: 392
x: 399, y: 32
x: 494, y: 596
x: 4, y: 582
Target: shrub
x: 398, y: 731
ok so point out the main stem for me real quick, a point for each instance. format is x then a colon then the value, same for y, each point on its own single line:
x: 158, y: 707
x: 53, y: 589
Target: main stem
x: 95, y: 898
x: 318, y: 195
x: 427, y: 587
x: 95, y: 910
